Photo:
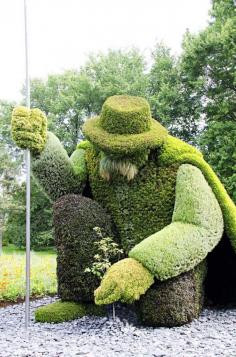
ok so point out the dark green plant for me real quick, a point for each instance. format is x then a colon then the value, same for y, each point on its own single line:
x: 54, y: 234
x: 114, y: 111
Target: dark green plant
x: 41, y: 218
x: 75, y: 217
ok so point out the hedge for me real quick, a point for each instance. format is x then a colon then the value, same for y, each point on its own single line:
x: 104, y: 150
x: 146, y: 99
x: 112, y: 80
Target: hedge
x: 65, y: 311
x: 75, y: 217
x: 174, y: 302
x: 126, y: 281
x: 55, y: 172
x: 196, y: 228
x: 29, y: 128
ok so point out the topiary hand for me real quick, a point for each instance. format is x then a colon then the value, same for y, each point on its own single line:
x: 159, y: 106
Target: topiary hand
x: 29, y: 128
x: 124, y: 281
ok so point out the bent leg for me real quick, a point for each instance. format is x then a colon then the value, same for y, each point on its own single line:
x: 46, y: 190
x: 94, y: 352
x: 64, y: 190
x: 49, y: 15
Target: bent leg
x: 176, y: 301
x: 75, y: 217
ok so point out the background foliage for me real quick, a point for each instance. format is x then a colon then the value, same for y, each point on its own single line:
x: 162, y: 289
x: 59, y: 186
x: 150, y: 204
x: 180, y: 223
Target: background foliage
x: 193, y: 95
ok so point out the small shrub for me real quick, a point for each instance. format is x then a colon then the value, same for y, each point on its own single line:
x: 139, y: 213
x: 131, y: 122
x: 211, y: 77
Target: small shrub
x: 65, y: 311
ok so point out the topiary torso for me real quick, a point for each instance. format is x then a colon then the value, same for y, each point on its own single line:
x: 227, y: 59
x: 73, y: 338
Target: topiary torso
x: 139, y: 207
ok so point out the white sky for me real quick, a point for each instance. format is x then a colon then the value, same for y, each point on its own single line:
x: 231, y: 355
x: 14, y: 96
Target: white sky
x: 63, y: 32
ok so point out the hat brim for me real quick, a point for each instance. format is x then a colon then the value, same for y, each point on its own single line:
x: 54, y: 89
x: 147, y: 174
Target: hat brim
x: 125, y: 143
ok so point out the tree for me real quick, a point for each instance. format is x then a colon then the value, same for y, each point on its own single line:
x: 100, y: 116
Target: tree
x: 12, y: 192
x: 208, y: 62
x: 59, y: 98
x: 218, y: 143
x: 172, y: 101
x: 69, y: 98
x: 41, y: 218
x: 117, y: 72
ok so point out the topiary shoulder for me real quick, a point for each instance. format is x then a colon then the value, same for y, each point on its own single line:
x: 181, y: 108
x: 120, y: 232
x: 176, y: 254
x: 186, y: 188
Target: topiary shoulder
x: 176, y: 151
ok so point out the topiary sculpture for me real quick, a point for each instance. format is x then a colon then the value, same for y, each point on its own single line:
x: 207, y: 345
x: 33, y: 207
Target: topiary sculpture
x: 157, y: 196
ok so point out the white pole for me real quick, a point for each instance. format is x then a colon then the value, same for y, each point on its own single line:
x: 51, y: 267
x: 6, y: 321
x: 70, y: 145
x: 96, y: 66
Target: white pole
x: 27, y: 159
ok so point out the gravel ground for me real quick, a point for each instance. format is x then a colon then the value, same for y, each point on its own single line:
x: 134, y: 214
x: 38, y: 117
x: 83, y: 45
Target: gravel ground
x: 213, y: 334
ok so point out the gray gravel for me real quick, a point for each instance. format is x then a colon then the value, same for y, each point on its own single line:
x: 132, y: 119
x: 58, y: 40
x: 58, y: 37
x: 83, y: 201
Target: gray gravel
x: 213, y: 334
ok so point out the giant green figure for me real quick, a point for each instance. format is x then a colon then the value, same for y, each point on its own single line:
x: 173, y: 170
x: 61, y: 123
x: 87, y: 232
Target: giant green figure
x: 158, y: 198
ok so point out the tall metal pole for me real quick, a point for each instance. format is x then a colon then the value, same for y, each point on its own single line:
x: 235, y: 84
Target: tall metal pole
x: 27, y: 159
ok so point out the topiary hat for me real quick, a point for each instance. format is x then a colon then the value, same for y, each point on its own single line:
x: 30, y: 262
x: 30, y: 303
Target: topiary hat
x: 124, y: 126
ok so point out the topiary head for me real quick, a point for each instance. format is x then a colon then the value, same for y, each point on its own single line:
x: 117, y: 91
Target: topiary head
x: 125, y: 132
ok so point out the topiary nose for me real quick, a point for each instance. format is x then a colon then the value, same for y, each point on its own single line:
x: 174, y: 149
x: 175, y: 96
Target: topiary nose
x: 125, y: 115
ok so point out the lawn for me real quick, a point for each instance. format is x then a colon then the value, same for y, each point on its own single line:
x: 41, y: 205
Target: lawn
x: 12, y: 274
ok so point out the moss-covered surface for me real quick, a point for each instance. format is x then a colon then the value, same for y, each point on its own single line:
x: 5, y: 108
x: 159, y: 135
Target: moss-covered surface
x: 174, y: 302
x: 29, y: 128
x: 124, y: 144
x: 75, y: 217
x: 125, y: 115
x: 55, y: 171
x: 78, y: 162
x: 140, y: 207
x: 176, y: 151
x: 196, y: 228
x: 125, y: 281
x: 61, y: 311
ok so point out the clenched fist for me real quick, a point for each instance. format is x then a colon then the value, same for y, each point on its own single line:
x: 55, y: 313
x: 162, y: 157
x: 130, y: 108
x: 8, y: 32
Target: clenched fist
x: 124, y: 281
x: 29, y: 128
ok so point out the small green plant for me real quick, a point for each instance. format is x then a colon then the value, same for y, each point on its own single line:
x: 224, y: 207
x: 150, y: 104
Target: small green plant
x: 108, y: 250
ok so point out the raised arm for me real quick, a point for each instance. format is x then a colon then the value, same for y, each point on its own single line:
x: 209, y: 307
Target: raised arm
x: 56, y: 172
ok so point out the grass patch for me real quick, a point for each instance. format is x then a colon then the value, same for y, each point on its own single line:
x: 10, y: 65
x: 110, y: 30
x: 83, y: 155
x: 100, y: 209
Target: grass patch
x: 61, y: 311
x: 12, y: 274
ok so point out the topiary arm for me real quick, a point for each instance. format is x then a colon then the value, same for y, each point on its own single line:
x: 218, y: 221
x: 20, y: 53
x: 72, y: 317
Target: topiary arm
x: 196, y: 228
x: 56, y: 172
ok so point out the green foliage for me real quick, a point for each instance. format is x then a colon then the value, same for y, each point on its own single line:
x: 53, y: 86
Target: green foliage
x: 78, y: 162
x: 218, y: 143
x: 75, y: 217
x: 124, y: 144
x: 84, y: 144
x: 107, y: 249
x: 196, y: 228
x: 176, y: 301
x: 117, y: 72
x: 173, y: 149
x: 125, y: 115
x: 41, y: 218
x: 61, y: 311
x: 125, y: 280
x: 60, y: 98
x: 151, y: 194
x: 55, y: 172
x: 171, y: 97
x: 69, y: 97
x: 6, y: 109
x: 208, y: 66
x: 29, y: 128
x: 168, y: 157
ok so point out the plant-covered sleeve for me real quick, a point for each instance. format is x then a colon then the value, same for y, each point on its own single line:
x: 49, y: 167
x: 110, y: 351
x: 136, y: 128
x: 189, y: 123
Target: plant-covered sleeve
x: 56, y: 172
x: 196, y: 228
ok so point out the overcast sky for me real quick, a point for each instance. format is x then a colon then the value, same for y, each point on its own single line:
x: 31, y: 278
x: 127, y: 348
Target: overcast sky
x: 63, y: 32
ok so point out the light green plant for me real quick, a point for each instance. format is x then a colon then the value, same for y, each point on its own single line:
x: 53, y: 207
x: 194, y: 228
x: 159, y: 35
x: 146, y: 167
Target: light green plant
x: 108, y: 250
